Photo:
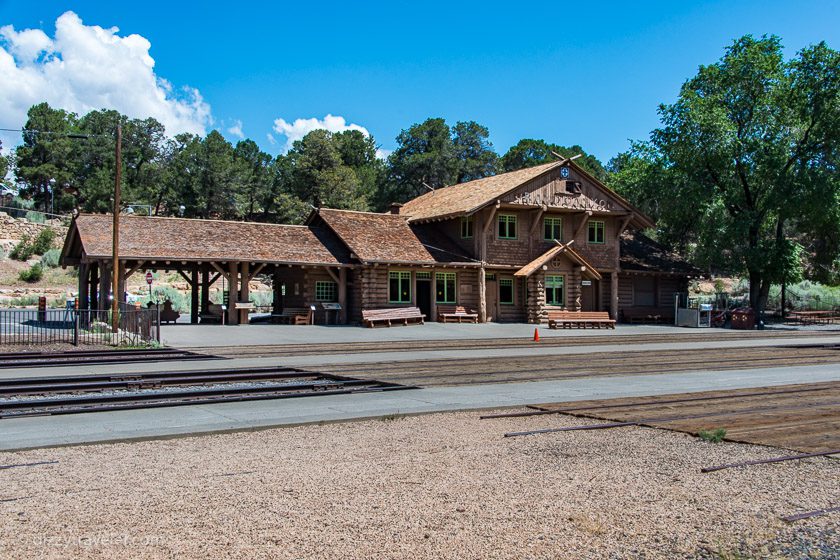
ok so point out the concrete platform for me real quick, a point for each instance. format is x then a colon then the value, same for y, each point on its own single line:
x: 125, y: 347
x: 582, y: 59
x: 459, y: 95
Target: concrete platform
x: 191, y: 336
x: 21, y: 433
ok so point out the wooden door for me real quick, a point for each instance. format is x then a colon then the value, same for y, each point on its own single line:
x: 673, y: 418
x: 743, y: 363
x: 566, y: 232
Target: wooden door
x: 589, y: 296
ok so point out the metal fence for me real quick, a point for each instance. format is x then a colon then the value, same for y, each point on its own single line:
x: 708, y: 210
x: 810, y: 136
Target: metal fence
x: 137, y: 327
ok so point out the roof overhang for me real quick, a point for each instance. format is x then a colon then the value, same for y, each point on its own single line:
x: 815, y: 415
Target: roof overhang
x: 560, y: 249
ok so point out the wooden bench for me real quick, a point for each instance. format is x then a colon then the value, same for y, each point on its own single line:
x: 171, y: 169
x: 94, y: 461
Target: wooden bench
x: 458, y: 313
x: 579, y: 319
x: 213, y: 314
x: 168, y: 314
x: 396, y: 315
x: 293, y: 316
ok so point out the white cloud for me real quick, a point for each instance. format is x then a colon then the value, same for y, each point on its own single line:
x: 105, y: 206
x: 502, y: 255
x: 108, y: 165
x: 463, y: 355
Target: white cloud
x: 236, y: 130
x: 87, y: 67
x: 382, y: 153
x: 271, y: 139
x: 301, y: 127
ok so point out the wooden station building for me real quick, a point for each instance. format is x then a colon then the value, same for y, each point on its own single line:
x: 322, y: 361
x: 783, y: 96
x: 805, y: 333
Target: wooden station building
x: 509, y: 246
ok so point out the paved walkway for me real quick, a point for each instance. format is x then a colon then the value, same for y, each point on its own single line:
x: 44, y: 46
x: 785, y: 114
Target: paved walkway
x: 189, y: 336
x: 141, y: 424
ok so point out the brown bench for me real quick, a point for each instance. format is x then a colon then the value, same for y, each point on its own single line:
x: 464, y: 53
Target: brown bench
x: 458, y: 313
x: 653, y: 315
x: 397, y: 315
x: 293, y: 316
x: 579, y: 319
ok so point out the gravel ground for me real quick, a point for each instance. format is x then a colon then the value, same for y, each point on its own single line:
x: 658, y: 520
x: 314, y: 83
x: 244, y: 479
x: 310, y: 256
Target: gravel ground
x: 436, y: 486
x: 51, y: 347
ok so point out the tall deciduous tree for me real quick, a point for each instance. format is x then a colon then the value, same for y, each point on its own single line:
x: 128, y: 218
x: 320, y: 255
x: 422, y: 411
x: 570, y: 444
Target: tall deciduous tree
x: 746, y: 163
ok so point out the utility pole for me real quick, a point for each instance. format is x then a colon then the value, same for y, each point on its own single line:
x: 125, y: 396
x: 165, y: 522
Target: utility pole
x: 115, y: 301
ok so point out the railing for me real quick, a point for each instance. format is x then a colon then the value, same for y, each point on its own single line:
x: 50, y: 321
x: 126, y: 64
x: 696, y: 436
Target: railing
x: 137, y: 327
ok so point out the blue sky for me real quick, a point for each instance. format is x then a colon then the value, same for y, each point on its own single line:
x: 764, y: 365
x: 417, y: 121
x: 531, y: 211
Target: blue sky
x: 591, y: 74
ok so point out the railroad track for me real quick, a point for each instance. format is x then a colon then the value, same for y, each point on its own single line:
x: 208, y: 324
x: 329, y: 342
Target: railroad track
x: 39, y: 396
x: 93, y: 357
x: 280, y: 350
x: 541, y: 367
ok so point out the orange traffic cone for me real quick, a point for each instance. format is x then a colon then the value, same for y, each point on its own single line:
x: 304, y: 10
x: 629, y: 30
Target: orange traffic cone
x: 536, y: 335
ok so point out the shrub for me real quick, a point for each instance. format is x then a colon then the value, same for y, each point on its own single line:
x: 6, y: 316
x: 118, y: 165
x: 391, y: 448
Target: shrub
x: 44, y: 241
x: 23, y: 250
x: 712, y: 436
x: 180, y: 302
x: 33, y: 274
x: 50, y: 258
x: 36, y: 217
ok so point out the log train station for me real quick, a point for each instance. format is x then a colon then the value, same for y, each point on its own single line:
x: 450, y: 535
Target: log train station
x: 508, y: 248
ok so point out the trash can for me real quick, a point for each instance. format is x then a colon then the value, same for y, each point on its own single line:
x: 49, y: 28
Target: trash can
x: 743, y: 318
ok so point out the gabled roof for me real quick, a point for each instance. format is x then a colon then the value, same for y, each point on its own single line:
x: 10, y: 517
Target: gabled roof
x: 388, y: 238
x: 181, y: 239
x: 559, y: 249
x: 465, y: 198
x: 640, y: 253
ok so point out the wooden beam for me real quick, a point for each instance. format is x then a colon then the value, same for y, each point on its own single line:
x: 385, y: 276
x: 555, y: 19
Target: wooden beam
x: 256, y: 271
x: 623, y: 225
x: 134, y: 269
x: 219, y: 269
x: 333, y: 274
x: 583, y: 221
x: 184, y: 276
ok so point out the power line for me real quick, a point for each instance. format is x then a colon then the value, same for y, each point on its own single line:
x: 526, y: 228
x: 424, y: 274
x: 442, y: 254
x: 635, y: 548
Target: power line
x: 66, y: 134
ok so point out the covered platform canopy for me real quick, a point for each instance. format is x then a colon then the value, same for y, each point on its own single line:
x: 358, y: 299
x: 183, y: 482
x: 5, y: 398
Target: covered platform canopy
x: 201, y: 251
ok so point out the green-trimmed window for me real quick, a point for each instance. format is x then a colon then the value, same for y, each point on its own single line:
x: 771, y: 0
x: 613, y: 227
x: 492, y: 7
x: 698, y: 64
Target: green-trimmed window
x: 466, y: 227
x: 399, y: 286
x: 507, y: 226
x: 326, y: 291
x: 445, y: 287
x: 423, y: 275
x: 553, y: 229
x: 506, y: 291
x: 596, y: 231
x: 554, y: 292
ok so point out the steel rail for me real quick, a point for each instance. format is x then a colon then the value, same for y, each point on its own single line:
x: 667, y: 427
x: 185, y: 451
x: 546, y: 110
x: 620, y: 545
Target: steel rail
x: 767, y: 461
x: 57, y: 407
x: 652, y: 422
x: 544, y: 412
x: 94, y: 357
x: 809, y: 514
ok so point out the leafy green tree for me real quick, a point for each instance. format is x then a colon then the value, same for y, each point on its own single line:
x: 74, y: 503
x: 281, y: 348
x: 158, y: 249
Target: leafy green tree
x: 319, y: 176
x: 45, y: 165
x: 529, y: 152
x: 254, y: 168
x: 5, y: 165
x: 746, y: 162
x: 425, y: 156
x: 474, y: 151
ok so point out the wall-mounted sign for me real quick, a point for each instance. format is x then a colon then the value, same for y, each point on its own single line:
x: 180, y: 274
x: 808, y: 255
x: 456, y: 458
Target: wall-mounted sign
x: 586, y: 283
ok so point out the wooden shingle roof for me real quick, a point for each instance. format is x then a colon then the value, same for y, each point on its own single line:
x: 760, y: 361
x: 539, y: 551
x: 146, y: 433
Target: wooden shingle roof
x: 640, y: 253
x: 180, y: 239
x: 388, y: 238
x: 468, y: 197
x: 559, y: 249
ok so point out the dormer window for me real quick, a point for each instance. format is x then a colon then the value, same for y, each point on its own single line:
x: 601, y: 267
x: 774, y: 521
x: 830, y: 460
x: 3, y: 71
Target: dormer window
x: 466, y: 227
x: 507, y: 226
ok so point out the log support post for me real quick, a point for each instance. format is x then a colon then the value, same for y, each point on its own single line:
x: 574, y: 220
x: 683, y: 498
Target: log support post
x: 194, y: 295
x: 614, y: 295
x: 342, y: 295
x: 233, y: 292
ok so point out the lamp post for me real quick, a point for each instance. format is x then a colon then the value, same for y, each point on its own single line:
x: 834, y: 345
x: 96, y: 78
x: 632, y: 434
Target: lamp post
x: 115, y: 303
